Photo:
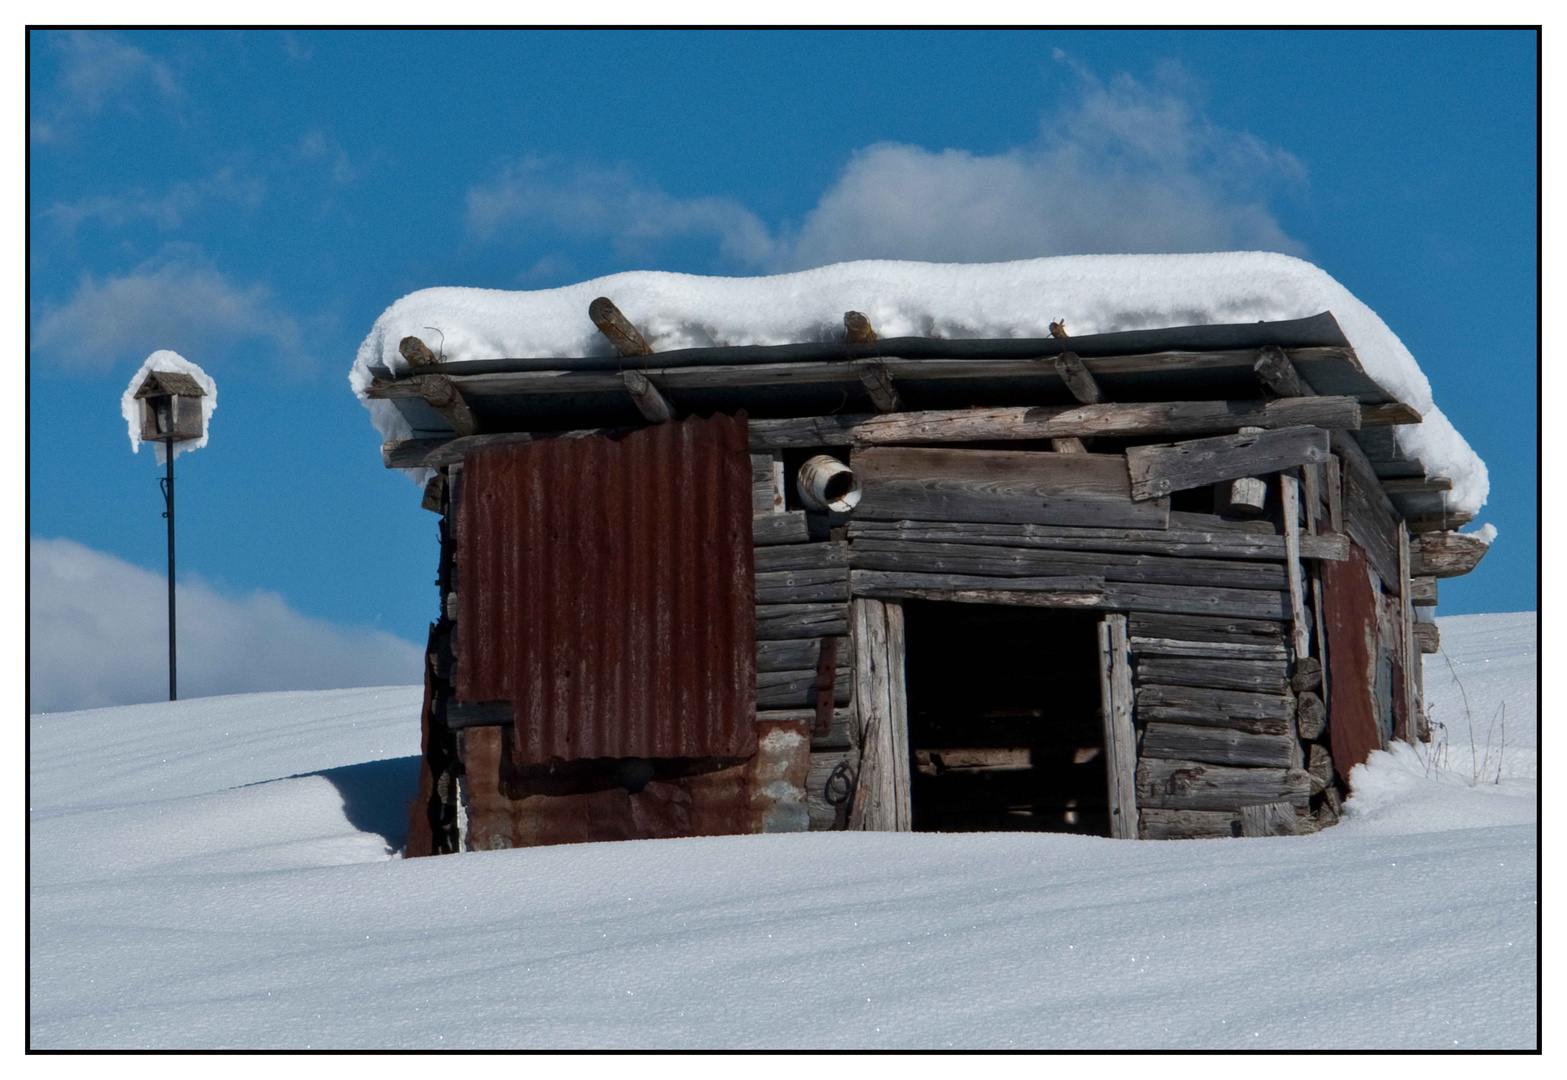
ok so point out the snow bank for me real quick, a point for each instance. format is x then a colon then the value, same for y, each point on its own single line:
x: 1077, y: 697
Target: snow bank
x: 1093, y: 293
x: 165, y: 360
x: 222, y: 873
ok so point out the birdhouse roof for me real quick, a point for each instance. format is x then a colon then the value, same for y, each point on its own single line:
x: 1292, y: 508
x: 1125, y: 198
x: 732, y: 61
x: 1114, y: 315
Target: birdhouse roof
x: 169, y: 383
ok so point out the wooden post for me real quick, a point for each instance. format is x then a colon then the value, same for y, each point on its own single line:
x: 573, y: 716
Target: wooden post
x: 620, y: 331
x: 1115, y: 695
x: 1406, y: 634
x: 1084, y: 387
x: 878, y: 383
x: 898, y: 699
x: 1289, y: 497
x: 877, y: 798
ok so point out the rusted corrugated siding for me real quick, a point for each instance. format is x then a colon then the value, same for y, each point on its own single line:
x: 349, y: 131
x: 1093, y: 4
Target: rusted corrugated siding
x: 1350, y: 609
x: 605, y: 588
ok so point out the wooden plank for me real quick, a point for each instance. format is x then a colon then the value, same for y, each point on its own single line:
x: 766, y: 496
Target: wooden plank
x: 1412, y: 485
x: 1252, y: 676
x: 794, y: 654
x: 1212, y: 543
x: 1071, y: 592
x: 876, y: 797
x: 972, y: 759
x: 1158, y: 469
x: 654, y: 406
x: 1194, y: 785
x: 1213, y: 650
x: 1217, y: 746
x: 938, y: 484
x: 797, y: 689
x: 1262, y: 714
x: 838, y: 736
x: 786, y: 528
x: 1334, y: 482
x: 1289, y: 501
x: 1191, y: 628
x: 1422, y: 524
x: 898, y: 698
x: 1389, y: 415
x: 1410, y: 656
x: 1068, y: 446
x: 1369, y: 518
x: 1270, y: 819
x: 818, y: 556
x: 766, y: 497
x: 1126, y: 419
x: 1077, y: 379
x: 1428, y: 637
x: 802, y: 586
x: 776, y: 621
x: 823, y: 814
x: 1188, y: 824
x: 1445, y: 554
x: 1120, y: 742
x: 936, y: 558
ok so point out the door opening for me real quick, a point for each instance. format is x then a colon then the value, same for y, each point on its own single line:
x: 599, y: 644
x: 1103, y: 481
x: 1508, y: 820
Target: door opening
x: 1004, y: 719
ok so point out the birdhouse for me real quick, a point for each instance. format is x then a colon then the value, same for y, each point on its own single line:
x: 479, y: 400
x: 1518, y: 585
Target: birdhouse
x: 170, y: 407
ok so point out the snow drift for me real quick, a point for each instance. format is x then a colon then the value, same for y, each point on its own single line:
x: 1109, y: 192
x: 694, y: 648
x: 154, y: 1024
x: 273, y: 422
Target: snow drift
x: 1093, y: 293
x: 223, y: 873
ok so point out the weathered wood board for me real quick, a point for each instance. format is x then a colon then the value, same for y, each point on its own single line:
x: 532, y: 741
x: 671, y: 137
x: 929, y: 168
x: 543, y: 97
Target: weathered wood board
x: 775, y: 621
x: 786, y: 528
x: 1216, y: 745
x: 797, y: 689
x: 1196, y: 628
x: 1215, y: 543
x: 796, y: 654
x: 1211, y: 650
x: 1262, y: 714
x: 1188, y: 824
x: 1445, y: 554
x: 1116, y: 704
x: 1252, y: 676
x: 1159, y: 469
x: 801, y: 557
x: 1076, y: 592
x: 1006, y: 486
x: 802, y: 586
x: 1193, y: 785
x: 870, y: 553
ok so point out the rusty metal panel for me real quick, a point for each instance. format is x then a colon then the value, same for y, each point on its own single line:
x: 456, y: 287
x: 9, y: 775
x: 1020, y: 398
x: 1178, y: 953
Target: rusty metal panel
x: 605, y: 588
x: 1350, y: 608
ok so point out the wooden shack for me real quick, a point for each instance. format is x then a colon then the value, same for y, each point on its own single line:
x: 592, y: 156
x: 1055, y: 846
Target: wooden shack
x: 1157, y: 584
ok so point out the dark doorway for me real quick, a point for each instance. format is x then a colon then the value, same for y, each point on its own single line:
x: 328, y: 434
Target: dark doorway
x: 1004, y: 723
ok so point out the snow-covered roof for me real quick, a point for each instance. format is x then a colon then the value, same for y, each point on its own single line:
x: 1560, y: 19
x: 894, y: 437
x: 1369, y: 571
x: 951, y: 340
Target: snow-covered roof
x: 1094, y: 294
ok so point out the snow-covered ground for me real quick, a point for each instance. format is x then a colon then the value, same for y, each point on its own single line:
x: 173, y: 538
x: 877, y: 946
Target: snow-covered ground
x: 222, y: 873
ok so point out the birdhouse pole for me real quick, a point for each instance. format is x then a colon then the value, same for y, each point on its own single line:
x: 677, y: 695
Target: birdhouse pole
x: 167, y: 484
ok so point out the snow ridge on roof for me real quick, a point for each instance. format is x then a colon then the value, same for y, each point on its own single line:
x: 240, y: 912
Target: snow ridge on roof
x: 1092, y: 293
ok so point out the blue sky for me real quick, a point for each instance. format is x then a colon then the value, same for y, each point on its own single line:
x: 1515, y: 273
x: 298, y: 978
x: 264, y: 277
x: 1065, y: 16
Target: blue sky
x: 253, y: 200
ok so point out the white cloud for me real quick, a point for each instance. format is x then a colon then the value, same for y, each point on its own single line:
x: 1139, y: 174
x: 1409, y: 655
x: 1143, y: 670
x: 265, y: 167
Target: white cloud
x: 585, y: 201
x: 97, y: 67
x: 175, y: 301
x: 1123, y: 168
x: 98, y: 635
x: 168, y: 210
x: 320, y: 144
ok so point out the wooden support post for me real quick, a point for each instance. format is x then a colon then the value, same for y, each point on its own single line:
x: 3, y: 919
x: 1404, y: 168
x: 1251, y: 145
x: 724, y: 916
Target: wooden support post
x: 898, y: 699
x: 442, y: 395
x: 1311, y: 489
x: 879, y: 804
x: 1406, y: 634
x: 1335, y: 485
x: 653, y: 406
x: 1084, y: 387
x: 877, y: 383
x: 1289, y: 498
x: 626, y: 338
x: 1115, y: 696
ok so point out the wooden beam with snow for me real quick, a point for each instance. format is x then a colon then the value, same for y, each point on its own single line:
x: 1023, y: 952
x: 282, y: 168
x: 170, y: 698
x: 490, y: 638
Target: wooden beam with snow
x: 1129, y: 419
x: 1437, y: 521
x: 416, y: 352
x: 626, y: 338
x: 653, y: 406
x: 1077, y: 378
x: 1416, y: 486
x: 1160, y: 469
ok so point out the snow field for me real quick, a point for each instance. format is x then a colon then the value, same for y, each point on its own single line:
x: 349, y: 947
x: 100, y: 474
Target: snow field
x: 222, y: 873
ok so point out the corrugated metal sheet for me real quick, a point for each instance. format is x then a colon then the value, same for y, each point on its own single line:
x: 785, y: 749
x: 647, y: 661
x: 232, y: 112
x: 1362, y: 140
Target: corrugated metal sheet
x: 1350, y: 610
x: 605, y: 588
